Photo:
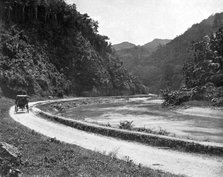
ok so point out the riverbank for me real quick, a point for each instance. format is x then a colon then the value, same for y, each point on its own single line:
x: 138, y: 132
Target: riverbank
x: 43, y: 156
x: 198, y: 165
x: 79, y: 119
x: 145, y: 114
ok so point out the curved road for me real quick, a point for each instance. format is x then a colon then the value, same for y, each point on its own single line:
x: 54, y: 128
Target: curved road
x: 157, y: 158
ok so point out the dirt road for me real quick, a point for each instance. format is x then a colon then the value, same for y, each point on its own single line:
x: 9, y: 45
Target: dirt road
x: 167, y: 160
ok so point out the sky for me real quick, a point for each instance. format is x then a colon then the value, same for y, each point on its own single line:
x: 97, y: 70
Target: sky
x: 141, y: 21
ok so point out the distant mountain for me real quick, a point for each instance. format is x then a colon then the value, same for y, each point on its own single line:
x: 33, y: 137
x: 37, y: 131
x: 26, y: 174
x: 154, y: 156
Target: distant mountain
x: 123, y: 46
x: 153, y: 45
x: 163, y: 68
x: 150, y: 46
x: 133, y: 55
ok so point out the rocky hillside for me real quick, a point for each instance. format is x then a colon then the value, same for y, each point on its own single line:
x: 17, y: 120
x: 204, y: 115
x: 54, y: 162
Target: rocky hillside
x: 49, y: 48
x: 164, y: 67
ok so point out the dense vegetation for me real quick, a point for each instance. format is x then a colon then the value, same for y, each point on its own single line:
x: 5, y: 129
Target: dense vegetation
x: 164, y: 67
x: 133, y: 57
x: 203, y: 73
x: 48, y: 47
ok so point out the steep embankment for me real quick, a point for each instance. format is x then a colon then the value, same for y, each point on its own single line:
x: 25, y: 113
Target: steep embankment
x: 50, y: 48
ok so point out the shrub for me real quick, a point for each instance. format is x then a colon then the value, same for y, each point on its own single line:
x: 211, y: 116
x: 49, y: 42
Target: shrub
x: 183, y: 95
x: 217, y: 101
x: 59, y: 108
x: 163, y: 132
x: 175, y: 97
x: 126, y: 125
x: 60, y: 94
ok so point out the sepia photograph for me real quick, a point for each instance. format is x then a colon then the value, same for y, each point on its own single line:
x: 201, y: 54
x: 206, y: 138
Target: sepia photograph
x: 111, y: 88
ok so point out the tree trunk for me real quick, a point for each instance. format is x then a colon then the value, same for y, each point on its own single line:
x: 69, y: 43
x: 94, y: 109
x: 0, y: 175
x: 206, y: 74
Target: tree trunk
x: 45, y: 15
x: 23, y: 13
x: 9, y: 14
x: 35, y: 12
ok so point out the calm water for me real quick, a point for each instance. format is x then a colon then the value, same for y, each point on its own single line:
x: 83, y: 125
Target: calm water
x: 204, y: 124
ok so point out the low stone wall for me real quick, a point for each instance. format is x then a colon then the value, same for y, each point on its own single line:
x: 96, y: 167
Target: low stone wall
x: 145, y: 138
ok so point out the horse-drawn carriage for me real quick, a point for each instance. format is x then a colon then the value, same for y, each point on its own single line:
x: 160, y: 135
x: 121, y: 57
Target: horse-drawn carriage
x: 21, y: 103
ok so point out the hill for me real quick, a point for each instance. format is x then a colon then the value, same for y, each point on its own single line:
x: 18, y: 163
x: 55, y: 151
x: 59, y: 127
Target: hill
x: 133, y: 57
x: 153, y: 45
x: 168, y: 61
x: 203, y: 74
x: 49, y: 48
x: 123, y: 46
x: 163, y: 68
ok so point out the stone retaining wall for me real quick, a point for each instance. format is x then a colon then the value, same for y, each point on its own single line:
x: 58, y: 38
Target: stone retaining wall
x: 145, y: 138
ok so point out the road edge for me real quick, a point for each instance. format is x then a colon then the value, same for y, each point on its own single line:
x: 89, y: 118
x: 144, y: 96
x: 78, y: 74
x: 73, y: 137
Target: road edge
x: 144, y: 138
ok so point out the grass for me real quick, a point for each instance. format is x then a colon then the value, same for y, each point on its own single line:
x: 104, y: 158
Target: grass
x: 128, y: 125
x: 197, y: 103
x: 42, y: 156
x: 161, y: 131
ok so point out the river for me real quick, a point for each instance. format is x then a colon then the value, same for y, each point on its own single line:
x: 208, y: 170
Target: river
x: 203, y: 124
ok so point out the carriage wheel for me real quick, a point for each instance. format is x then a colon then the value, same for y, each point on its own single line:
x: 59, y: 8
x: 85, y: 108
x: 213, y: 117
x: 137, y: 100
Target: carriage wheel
x: 16, y: 109
x: 27, y: 107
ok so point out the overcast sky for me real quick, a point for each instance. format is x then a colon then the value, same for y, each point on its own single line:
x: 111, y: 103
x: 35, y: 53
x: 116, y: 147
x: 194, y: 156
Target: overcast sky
x: 140, y: 21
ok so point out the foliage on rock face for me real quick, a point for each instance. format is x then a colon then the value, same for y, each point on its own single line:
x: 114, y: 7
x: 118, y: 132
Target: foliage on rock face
x: 48, y: 47
x: 25, y: 66
x: 206, y: 69
x: 203, y: 73
x: 207, y: 63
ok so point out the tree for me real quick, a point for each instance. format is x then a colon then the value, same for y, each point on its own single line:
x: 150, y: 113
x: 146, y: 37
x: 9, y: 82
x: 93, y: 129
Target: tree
x: 207, y: 63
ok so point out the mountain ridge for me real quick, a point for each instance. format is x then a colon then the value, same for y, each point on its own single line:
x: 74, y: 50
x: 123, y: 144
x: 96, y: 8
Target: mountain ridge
x: 152, y: 45
x: 123, y: 46
x: 155, y: 43
x: 163, y: 67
